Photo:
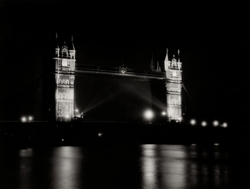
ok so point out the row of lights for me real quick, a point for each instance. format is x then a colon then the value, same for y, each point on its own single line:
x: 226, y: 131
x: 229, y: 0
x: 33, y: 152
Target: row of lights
x: 149, y: 114
x: 204, y: 123
x: 25, y: 119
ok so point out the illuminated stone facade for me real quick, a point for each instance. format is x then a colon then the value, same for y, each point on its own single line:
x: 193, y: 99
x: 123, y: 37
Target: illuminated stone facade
x: 64, y: 82
x: 173, y: 69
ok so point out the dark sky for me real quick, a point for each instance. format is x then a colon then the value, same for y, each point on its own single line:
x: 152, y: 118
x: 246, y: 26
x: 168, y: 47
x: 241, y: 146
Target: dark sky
x: 213, y: 39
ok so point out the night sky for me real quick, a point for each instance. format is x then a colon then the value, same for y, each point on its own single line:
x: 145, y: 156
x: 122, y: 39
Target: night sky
x: 213, y: 39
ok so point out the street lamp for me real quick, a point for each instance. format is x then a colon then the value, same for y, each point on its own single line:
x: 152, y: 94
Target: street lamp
x: 192, y: 121
x: 30, y: 118
x: 215, y: 123
x: 225, y: 125
x: 148, y: 114
x: 23, y: 119
x: 163, y: 113
x: 203, y: 123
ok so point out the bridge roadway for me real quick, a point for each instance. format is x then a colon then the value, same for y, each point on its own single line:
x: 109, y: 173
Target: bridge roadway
x: 119, y: 71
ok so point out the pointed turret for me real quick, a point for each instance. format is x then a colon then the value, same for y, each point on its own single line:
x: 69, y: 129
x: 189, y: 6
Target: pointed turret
x: 179, y: 59
x: 72, y: 51
x: 71, y: 46
x: 166, y: 58
x: 166, y: 61
x: 158, y: 68
x: 152, y: 65
x: 57, y: 49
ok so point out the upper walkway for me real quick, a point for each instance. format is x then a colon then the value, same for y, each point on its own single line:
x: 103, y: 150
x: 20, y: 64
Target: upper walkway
x: 119, y: 71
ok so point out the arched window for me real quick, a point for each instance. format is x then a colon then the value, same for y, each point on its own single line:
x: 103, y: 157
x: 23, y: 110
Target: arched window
x: 65, y: 51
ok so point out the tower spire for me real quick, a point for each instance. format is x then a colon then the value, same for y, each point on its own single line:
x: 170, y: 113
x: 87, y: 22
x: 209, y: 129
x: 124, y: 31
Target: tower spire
x: 57, y: 49
x: 73, y: 47
x: 166, y: 59
x: 179, y: 58
x: 56, y: 42
x: 72, y: 51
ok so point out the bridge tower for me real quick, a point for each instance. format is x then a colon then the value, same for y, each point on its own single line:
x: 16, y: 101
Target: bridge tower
x: 64, y: 81
x: 173, y: 69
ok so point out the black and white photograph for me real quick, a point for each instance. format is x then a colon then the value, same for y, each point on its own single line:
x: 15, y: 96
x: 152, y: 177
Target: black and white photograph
x: 119, y: 94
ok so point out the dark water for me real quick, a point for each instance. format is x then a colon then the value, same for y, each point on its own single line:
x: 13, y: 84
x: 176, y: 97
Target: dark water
x: 121, y: 166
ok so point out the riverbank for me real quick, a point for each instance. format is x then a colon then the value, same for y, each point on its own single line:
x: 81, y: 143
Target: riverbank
x: 81, y: 133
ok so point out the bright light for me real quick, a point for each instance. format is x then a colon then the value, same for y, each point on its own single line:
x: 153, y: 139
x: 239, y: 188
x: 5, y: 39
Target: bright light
x: 215, y: 123
x: 23, y: 119
x: 203, y: 124
x: 224, y: 125
x: 76, y: 110
x: 30, y: 118
x: 67, y: 116
x: 192, y: 121
x: 99, y: 134
x: 148, y: 114
x: 163, y: 113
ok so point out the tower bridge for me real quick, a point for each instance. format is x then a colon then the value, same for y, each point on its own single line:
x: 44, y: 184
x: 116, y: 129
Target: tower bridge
x: 66, y: 68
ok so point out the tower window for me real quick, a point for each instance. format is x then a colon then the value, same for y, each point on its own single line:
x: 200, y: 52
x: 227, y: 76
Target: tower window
x: 64, y: 62
x: 174, y: 73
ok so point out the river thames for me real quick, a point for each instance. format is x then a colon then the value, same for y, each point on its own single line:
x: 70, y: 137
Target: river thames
x: 125, y: 166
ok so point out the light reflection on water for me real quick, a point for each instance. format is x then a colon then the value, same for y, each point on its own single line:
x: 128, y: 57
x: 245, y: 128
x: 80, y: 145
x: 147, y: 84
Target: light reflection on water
x: 65, y: 167
x: 167, y: 167
x: 144, y: 166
